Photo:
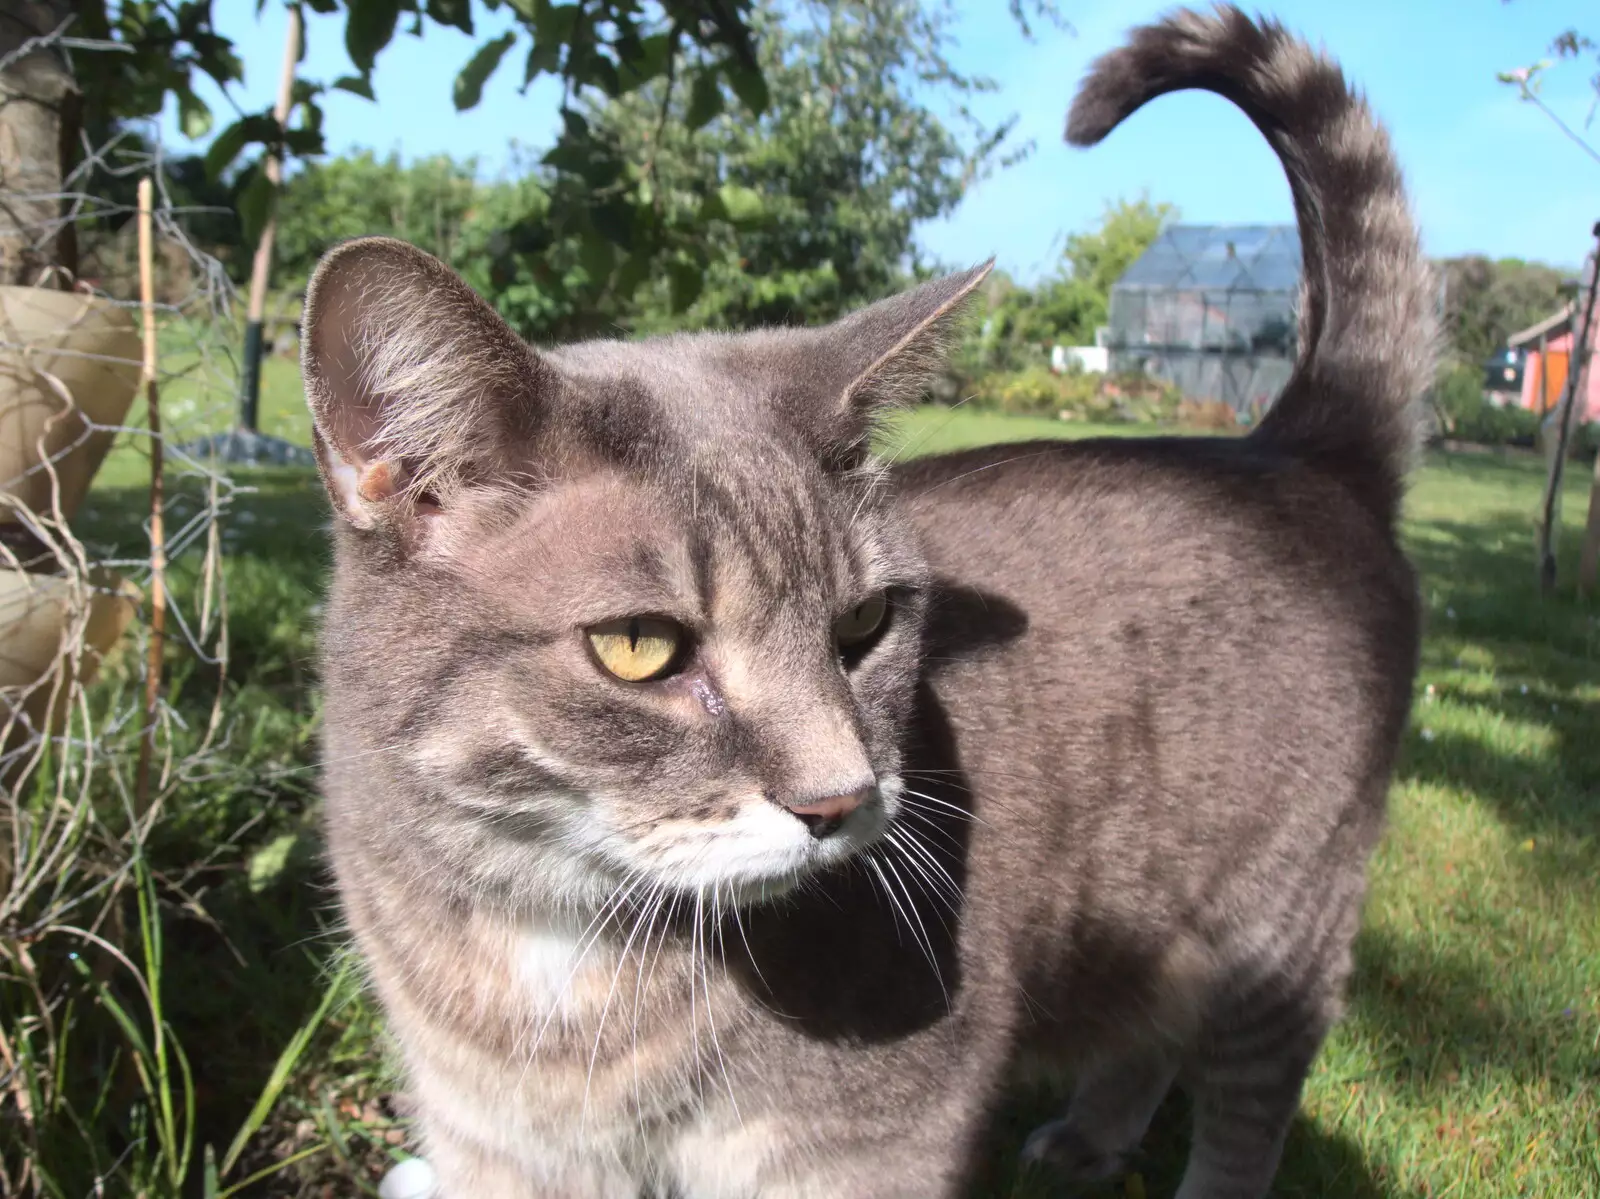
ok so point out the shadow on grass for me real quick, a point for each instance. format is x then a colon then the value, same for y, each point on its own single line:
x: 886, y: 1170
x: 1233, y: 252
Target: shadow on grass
x: 1316, y: 1164
x: 1440, y: 1034
x: 1443, y: 1023
x: 1510, y: 655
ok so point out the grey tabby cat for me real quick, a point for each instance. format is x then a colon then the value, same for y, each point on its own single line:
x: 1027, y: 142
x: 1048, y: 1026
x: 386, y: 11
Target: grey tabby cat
x: 723, y: 813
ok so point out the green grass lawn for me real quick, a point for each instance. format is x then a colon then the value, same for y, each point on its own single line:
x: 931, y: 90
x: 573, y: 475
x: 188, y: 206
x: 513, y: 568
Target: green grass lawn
x: 1469, y: 1064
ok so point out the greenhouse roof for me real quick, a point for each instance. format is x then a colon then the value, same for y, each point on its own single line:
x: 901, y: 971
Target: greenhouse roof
x: 1219, y: 258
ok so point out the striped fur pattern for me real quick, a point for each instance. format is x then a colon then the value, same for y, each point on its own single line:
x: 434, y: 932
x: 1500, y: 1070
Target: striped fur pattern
x: 1369, y: 338
x: 1120, y: 746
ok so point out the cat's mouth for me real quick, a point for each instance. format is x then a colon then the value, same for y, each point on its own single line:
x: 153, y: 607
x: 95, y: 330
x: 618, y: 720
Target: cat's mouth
x: 759, y: 853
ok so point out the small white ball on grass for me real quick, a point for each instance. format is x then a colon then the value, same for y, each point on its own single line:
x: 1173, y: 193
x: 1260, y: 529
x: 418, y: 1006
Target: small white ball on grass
x: 411, y: 1179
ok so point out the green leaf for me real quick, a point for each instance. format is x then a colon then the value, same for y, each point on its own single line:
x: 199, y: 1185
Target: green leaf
x: 313, y: 113
x: 255, y: 205
x: 303, y: 142
x: 369, y: 27
x: 227, y: 144
x: 194, y: 118
x: 613, y: 220
x: 543, y: 55
x: 555, y: 22
x: 685, y: 281
x: 597, y: 170
x: 712, y: 209
x: 357, y: 85
x: 705, y: 100
x: 632, y: 275
x: 598, y: 69
x: 457, y: 13
x: 529, y: 236
x: 267, y: 864
x: 743, y: 205
x: 647, y: 61
x: 469, y: 84
x: 225, y: 148
x: 751, y: 88
x: 597, y: 256
x: 338, y: 992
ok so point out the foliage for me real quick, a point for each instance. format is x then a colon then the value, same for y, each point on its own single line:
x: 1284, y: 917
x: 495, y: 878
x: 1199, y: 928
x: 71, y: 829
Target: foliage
x: 598, y: 48
x: 1076, y: 396
x: 810, y: 210
x: 602, y: 226
x: 798, y: 216
x: 426, y: 203
x: 1127, y: 227
x: 1467, y: 416
x: 1569, y: 43
x: 1033, y: 391
x: 1018, y: 325
x: 1488, y: 300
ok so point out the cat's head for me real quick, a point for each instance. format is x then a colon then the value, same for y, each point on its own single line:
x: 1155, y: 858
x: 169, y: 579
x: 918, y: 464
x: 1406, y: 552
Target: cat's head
x: 620, y: 612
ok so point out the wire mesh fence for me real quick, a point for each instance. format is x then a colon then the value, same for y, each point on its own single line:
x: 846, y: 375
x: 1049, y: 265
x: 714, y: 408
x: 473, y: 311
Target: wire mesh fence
x: 77, y: 583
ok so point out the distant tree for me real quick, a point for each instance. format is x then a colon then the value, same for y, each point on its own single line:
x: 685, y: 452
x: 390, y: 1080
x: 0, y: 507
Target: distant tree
x: 1486, y: 301
x: 1022, y: 323
x: 1127, y: 228
x: 54, y: 86
x: 426, y: 202
x: 693, y: 53
x: 795, y: 216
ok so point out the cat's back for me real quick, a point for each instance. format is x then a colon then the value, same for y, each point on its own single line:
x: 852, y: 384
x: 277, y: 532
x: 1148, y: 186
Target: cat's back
x: 1184, y: 626
x: 1218, y: 528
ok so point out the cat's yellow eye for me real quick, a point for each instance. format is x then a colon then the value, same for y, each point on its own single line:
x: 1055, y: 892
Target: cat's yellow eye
x: 861, y: 622
x: 637, y: 648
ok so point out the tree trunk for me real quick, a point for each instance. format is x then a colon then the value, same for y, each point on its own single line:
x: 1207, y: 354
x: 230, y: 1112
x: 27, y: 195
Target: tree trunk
x: 40, y: 112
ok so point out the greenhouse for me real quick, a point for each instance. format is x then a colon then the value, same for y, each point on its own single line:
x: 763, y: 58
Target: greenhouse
x: 1211, y: 309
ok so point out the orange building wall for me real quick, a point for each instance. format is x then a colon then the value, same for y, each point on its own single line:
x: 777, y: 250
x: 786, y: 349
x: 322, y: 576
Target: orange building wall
x: 1541, y: 394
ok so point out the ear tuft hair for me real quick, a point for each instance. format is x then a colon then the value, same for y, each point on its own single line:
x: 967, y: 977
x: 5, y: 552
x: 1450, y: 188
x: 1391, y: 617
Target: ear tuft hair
x: 416, y: 385
x: 840, y: 380
x: 911, y: 336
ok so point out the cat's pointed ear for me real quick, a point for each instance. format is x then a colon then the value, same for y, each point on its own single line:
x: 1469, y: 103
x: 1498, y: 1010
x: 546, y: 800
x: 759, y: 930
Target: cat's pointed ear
x: 417, y: 387
x: 885, y: 355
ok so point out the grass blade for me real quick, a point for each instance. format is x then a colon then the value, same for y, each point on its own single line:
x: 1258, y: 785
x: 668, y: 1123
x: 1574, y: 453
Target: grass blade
x: 284, y: 1067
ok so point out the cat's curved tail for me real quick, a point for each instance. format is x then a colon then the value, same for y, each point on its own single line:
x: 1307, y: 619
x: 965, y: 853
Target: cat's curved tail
x: 1368, y: 326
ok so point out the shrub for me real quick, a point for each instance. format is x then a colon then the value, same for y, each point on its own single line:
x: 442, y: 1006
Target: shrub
x: 1076, y: 395
x: 1465, y: 415
x: 1208, y: 414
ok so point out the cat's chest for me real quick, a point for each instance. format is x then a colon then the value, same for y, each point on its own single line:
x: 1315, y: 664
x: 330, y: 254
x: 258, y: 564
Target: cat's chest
x: 555, y: 970
x: 622, y: 1022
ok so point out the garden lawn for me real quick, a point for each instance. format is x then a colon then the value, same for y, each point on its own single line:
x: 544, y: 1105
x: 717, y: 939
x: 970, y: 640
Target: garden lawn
x: 1468, y: 1065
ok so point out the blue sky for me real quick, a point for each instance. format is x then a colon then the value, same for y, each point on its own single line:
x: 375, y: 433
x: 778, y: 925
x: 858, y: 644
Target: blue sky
x: 1489, y: 173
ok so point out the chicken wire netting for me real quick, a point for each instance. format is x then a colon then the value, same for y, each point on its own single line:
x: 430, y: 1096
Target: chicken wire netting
x: 1212, y: 309
x: 83, y: 583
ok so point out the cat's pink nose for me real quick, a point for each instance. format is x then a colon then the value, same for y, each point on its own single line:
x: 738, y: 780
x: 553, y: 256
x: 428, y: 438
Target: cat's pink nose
x: 824, y: 816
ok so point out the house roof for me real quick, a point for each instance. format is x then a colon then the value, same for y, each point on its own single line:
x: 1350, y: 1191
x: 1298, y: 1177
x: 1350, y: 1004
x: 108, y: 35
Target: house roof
x: 1260, y: 258
x: 1552, y: 326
